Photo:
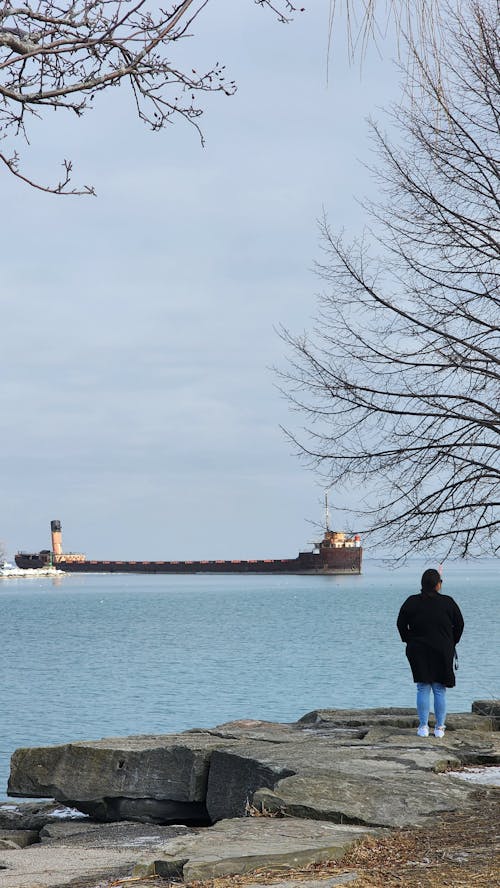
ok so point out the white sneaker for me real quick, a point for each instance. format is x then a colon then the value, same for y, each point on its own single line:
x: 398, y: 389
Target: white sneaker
x: 423, y: 731
x: 439, y: 731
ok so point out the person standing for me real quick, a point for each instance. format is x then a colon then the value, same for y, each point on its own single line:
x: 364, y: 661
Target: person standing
x: 431, y: 625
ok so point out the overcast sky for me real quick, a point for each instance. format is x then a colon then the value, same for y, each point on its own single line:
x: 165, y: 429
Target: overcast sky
x: 138, y: 328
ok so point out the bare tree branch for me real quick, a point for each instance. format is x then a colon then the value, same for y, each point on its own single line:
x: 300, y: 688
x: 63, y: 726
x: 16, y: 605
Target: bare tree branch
x: 400, y: 379
x: 61, y: 53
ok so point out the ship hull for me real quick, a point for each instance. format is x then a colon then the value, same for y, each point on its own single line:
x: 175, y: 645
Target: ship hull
x: 340, y: 562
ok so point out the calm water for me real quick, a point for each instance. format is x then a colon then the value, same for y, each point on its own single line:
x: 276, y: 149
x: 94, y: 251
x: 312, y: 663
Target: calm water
x: 91, y: 656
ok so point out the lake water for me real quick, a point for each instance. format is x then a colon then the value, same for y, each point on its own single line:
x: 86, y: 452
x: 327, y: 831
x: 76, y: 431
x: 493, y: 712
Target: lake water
x: 84, y: 657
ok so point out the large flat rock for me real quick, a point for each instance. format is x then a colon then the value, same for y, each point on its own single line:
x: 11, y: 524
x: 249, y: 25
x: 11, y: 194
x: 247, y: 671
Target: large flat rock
x: 482, y: 718
x: 145, y: 777
x: 387, y: 796
x: 242, y: 845
x: 171, y: 766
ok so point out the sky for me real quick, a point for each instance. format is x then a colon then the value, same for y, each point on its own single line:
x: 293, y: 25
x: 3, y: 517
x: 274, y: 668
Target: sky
x: 138, y: 328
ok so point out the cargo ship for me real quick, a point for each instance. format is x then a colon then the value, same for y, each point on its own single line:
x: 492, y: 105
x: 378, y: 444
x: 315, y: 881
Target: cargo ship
x: 336, y: 554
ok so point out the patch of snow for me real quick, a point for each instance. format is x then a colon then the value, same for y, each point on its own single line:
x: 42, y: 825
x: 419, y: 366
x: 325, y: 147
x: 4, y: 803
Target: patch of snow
x: 67, y: 814
x: 488, y: 775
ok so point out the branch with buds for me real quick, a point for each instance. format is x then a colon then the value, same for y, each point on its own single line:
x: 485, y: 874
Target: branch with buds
x: 62, y: 54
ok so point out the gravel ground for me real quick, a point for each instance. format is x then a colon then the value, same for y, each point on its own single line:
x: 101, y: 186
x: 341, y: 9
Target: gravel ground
x: 461, y: 850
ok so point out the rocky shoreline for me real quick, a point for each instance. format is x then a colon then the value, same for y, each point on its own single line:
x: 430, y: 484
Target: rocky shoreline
x: 242, y: 796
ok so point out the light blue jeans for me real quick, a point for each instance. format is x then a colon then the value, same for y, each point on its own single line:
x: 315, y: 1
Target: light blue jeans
x: 423, y: 702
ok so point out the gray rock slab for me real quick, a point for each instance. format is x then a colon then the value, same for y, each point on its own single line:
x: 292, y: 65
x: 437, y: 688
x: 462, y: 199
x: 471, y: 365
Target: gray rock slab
x: 148, y: 778
x: 323, y: 719
x: 96, y: 853
x: 397, y: 717
x: 487, y: 707
x: 388, y: 796
x: 171, y: 766
x: 464, y: 721
x: 252, y: 729
x: 17, y: 838
x: 276, y: 732
x: 34, y: 815
x: 111, y: 835
x: 242, y: 845
x: 44, y: 866
x: 457, y: 748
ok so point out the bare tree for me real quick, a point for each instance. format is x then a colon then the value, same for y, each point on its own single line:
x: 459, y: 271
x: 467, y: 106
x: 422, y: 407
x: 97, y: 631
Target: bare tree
x: 400, y: 379
x: 60, y: 54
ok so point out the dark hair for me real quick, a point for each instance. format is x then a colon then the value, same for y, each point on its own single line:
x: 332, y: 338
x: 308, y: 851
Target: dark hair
x: 429, y: 581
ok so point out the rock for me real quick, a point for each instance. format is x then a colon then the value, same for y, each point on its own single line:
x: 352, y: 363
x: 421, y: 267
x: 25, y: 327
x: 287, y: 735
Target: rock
x: 17, y: 838
x: 275, y: 732
x: 251, y: 729
x: 335, y: 719
x: 83, y: 854
x: 385, y: 797
x: 109, y: 778
x: 47, y: 866
x: 488, y: 708
x: 112, y: 835
x: 69, y: 830
x: 245, y: 844
x: 395, y: 717
x: 34, y: 815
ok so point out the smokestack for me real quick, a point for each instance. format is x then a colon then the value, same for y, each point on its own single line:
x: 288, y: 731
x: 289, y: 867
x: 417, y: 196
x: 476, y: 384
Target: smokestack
x: 55, y: 528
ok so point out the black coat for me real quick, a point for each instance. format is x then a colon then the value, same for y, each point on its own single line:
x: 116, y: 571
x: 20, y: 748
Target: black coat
x: 431, y: 626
